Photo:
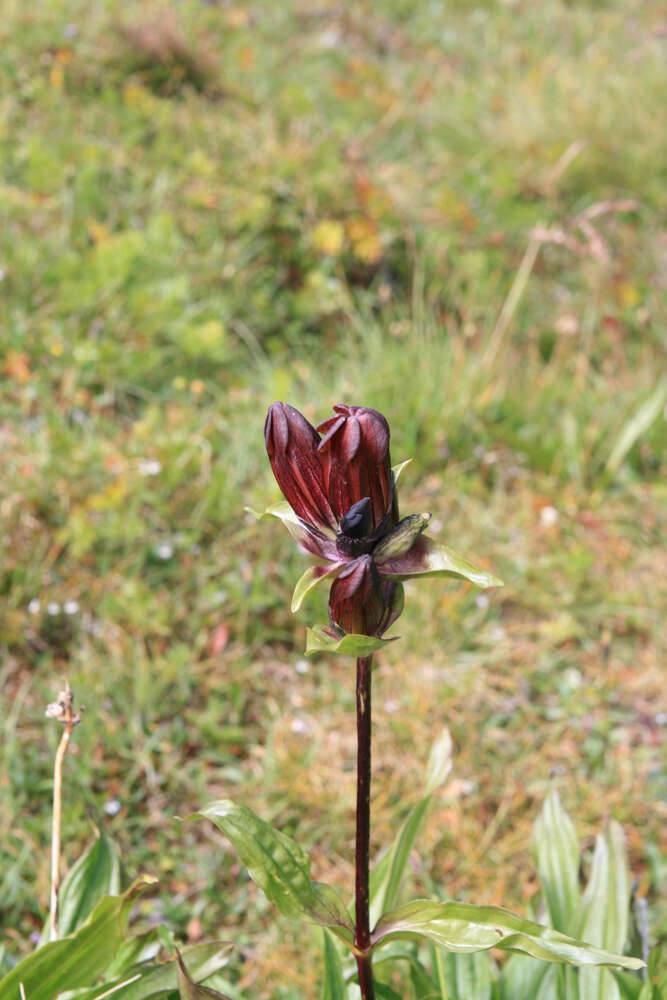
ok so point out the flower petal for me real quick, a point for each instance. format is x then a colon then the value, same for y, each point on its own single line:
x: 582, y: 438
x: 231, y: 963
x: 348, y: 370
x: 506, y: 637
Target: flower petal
x: 356, y: 600
x: 311, y: 579
x: 394, y: 600
x: 427, y: 558
x: 292, y: 443
x: 355, y: 460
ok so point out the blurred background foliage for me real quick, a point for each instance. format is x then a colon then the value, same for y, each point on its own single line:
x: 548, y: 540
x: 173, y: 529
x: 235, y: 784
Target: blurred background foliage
x: 451, y: 212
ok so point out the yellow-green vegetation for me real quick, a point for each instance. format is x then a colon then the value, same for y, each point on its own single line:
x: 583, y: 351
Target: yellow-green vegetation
x: 446, y: 211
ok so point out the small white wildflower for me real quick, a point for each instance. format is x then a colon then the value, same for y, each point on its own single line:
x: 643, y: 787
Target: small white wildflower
x: 111, y: 807
x: 572, y: 678
x: 53, y: 608
x: 299, y: 726
x: 34, y: 606
x: 391, y: 706
x: 164, y: 550
x: 150, y: 467
x: 482, y: 601
x: 330, y: 38
x: 71, y: 607
x: 548, y: 517
x: 302, y: 666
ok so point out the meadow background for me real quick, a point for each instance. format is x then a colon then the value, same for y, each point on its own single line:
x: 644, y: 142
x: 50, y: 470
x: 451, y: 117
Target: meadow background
x: 451, y: 212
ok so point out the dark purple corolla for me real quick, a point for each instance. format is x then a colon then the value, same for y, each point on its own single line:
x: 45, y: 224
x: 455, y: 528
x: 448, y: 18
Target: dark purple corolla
x: 339, y: 483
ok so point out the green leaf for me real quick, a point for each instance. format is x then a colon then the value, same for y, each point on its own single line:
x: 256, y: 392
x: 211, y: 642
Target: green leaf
x: 439, y: 763
x: 95, y: 874
x: 427, y: 558
x: 629, y: 986
x: 189, y: 990
x: 525, y: 978
x: 637, y: 425
x: 319, y: 640
x: 311, y: 579
x: 467, y: 977
x: 280, y: 868
x: 605, y: 908
x: 134, y: 950
x: 78, y: 960
x: 385, y: 879
x: 606, y: 901
x: 151, y: 979
x: 334, y: 984
x: 556, y: 853
x: 386, y: 876
x: 464, y: 927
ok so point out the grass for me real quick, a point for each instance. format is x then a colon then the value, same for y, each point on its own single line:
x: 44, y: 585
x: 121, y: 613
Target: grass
x: 206, y: 208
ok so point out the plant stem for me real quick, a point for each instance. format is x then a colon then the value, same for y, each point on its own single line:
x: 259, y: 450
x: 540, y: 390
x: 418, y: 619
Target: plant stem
x: 63, y: 711
x: 362, y: 937
x: 55, y: 826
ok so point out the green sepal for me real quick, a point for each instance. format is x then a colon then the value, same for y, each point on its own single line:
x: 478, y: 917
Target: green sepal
x: 401, y: 538
x: 292, y: 521
x: 319, y: 639
x: 427, y: 558
x: 398, y: 469
x: 311, y: 579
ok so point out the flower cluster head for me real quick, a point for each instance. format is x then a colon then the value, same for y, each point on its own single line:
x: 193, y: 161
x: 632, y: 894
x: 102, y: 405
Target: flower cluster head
x: 338, y: 481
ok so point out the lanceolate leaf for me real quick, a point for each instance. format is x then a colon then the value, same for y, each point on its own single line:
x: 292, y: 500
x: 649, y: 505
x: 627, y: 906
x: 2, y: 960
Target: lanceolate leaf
x: 556, y: 853
x: 605, y: 908
x: 334, y: 983
x: 629, y: 986
x: 388, y: 872
x: 463, y: 927
x: 78, y: 960
x: 148, y: 980
x: 525, y: 978
x: 311, y: 579
x: 439, y: 762
x: 427, y: 558
x: 467, y: 977
x: 279, y: 867
x: 95, y: 874
x: 320, y: 640
x: 188, y: 989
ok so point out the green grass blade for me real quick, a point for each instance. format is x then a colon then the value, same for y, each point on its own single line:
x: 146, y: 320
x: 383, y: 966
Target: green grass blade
x: 556, y: 853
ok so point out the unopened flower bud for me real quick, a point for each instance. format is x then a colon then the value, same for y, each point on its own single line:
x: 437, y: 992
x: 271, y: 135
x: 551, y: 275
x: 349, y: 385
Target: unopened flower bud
x: 401, y: 539
x: 356, y: 602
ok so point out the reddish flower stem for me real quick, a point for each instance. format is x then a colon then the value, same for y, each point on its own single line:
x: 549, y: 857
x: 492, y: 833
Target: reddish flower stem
x: 362, y: 936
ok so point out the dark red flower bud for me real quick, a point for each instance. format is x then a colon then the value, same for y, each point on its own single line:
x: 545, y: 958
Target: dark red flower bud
x: 356, y: 600
x: 292, y: 444
x: 354, y: 452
